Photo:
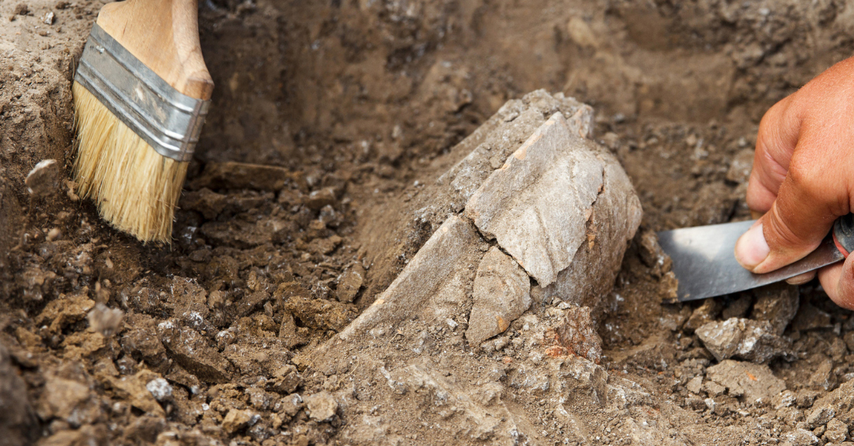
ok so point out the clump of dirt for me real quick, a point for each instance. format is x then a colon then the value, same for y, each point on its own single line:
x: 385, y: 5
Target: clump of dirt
x: 325, y: 111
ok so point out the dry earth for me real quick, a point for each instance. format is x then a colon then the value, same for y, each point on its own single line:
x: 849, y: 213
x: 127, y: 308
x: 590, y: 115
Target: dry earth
x: 352, y: 105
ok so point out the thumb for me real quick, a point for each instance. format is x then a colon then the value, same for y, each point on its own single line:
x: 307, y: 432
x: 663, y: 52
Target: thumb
x: 800, y: 217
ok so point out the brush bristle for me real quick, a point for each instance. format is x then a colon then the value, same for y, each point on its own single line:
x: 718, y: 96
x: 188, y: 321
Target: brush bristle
x: 136, y: 189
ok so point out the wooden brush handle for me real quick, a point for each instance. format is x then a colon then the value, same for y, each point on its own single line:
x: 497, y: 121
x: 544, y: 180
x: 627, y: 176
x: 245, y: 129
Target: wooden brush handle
x: 164, y: 35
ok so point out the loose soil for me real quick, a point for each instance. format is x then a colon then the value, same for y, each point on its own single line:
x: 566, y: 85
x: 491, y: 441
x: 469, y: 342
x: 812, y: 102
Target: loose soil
x: 356, y: 101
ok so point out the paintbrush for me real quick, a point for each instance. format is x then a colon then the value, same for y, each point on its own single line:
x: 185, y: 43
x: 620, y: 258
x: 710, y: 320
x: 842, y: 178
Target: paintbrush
x: 141, y: 93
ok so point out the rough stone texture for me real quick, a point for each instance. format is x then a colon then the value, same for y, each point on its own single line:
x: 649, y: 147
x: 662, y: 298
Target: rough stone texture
x: 350, y: 283
x: 447, y: 190
x: 539, y: 205
x: 777, y: 304
x: 502, y: 292
x: 836, y: 432
x: 801, y: 437
x: 189, y: 349
x: 744, y: 339
x: 755, y: 383
x: 440, y: 274
x: 18, y: 424
x: 105, y: 320
x: 321, y: 406
x: 703, y: 314
x: 578, y: 334
x: 237, y: 419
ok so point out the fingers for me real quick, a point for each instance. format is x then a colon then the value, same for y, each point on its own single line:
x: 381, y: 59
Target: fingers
x: 775, y: 143
x: 801, y: 279
x: 838, y: 282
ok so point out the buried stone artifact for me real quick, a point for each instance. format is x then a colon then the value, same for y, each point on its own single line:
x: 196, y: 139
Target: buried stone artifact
x: 533, y: 215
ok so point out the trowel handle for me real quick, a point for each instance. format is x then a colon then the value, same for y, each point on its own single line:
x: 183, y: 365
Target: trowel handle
x: 843, y: 234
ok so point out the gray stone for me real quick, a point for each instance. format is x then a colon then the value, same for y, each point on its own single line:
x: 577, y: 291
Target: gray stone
x: 777, y: 304
x: 823, y: 377
x: 755, y: 383
x: 538, y: 204
x: 350, y: 282
x: 502, y: 292
x: 744, y: 339
x: 43, y: 180
x: 321, y: 406
x: 811, y: 318
x: 433, y: 284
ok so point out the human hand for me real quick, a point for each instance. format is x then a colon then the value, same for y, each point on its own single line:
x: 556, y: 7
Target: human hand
x: 803, y: 180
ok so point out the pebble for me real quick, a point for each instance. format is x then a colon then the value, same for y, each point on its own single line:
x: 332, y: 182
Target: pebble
x: 43, y: 179
x: 160, y: 389
x: 321, y: 406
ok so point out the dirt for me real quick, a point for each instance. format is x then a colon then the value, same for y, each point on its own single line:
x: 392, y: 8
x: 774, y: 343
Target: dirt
x: 326, y: 111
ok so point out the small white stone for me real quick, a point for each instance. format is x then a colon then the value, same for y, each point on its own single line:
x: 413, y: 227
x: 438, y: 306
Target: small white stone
x: 159, y: 388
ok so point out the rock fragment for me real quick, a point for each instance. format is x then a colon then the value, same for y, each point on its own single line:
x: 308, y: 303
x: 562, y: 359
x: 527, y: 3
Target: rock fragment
x: 43, y: 180
x: 578, y: 334
x: 742, y: 164
x: 811, y: 318
x: 319, y: 198
x: 755, y: 383
x: 189, y: 349
x: 321, y: 406
x: 777, y: 304
x: 350, y: 283
x: 703, y: 314
x: 160, y: 389
x: 801, y: 437
x: 236, y: 420
x: 836, y: 431
x: 744, y: 339
x: 502, y: 292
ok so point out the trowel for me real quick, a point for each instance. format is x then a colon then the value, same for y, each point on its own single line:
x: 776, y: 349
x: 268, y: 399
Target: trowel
x: 704, y: 258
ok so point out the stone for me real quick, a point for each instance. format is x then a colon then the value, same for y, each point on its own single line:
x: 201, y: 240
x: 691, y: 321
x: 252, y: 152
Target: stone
x: 695, y: 384
x: 65, y: 311
x: 823, y: 376
x: 820, y: 415
x: 777, y: 304
x: 43, y: 179
x: 235, y: 175
x: 319, y: 198
x: 350, y: 282
x: 204, y: 201
x: 739, y: 169
x: 189, y: 349
x: 135, y: 390
x: 849, y: 341
x: 801, y: 437
x: 432, y: 284
x: 754, y: 383
x: 836, y: 432
x: 538, y: 205
x: 236, y: 420
x: 578, y: 334
x: 652, y: 255
x: 18, y: 425
x: 159, y: 389
x: 320, y: 313
x: 744, y: 339
x: 703, y: 314
x: 105, y: 320
x: 141, y: 340
x: 811, y: 318
x: 321, y: 406
x: 502, y: 292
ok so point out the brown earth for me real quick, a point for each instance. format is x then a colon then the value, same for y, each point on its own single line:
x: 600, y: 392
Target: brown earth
x: 355, y: 101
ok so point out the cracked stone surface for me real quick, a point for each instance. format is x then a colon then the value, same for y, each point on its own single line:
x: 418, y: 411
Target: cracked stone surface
x: 533, y: 202
x: 502, y: 292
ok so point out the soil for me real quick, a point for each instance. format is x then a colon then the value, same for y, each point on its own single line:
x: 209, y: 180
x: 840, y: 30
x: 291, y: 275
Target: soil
x: 104, y: 340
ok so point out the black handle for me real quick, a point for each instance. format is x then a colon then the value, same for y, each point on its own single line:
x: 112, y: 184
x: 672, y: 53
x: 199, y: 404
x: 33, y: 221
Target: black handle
x: 843, y: 234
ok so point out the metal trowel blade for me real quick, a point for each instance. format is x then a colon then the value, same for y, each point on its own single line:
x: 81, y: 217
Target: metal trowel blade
x: 704, y: 261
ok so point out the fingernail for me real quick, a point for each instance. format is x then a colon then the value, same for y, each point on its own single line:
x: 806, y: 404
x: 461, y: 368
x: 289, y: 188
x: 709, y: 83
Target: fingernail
x: 751, y: 248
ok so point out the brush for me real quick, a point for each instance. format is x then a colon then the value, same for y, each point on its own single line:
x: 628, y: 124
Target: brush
x: 141, y: 92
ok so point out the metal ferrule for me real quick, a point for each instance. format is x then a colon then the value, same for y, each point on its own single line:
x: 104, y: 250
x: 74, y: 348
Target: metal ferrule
x: 165, y: 118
